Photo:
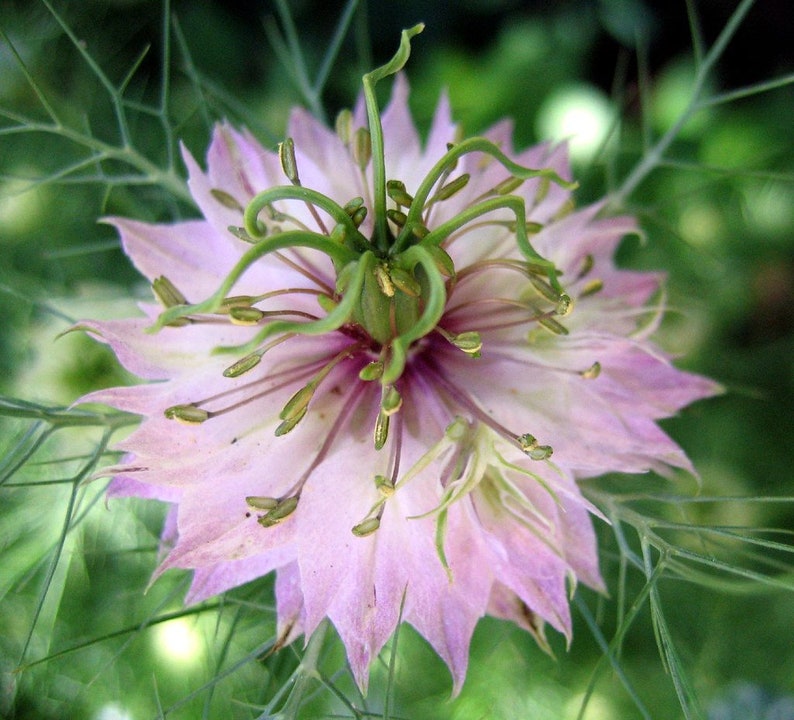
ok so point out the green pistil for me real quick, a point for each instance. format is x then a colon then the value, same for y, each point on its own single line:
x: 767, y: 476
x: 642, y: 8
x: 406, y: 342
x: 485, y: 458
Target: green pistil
x: 382, y: 238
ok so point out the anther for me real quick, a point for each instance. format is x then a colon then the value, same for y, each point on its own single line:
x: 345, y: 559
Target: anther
x: 286, y: 156
x: 381, y: 433
x: 327, y: 303
x: 241, y: 234
x: 395, y: 189
x: 544, y: 288
x: 391, y: 400
x: 226, y: 200
x: 358, y: 216
x: 362, y: 148
x: 261, y: 502
x: 371, y: 371
x: 289, y: 424
x: 187, y: 414
x: 587, y: 266
x: 442, y: 261
x: 592, y: 372
x: 384, y: 485
x: 592, y: 287
x: 452, y: 187
x: 243, y: 365
x: 280, y: 512
x: 419, y: 231
x: 366, y: 527
x: 237, y: 301
x: 565, y: 209
x: 167, y: 293
x: 543, y: 189
x: 353, y: 205
x: 469, y: 341
x: 245, y: 316
x: 297, y: 405
x: 397, y: 217
x: 552, y: 325
x: 344, y: 125
x: 507, y: 186
x: 530, y: 447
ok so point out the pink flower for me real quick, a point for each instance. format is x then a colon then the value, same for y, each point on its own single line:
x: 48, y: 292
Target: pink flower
x: 380, y: 433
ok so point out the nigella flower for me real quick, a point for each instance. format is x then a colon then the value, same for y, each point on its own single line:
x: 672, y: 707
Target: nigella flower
x: 367, y: 354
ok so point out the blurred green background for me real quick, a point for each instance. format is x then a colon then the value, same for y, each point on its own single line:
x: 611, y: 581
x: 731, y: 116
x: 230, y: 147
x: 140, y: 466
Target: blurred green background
x: 718, y: 215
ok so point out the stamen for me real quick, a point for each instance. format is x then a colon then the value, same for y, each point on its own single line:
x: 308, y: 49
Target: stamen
x: 286, y: 156
x: 226, y: 200
x: 381, y: 433
x: 552, y: 325
x: 167, y: 293
x: 243, y: 365
x: 187, y: 414
x: 507, y: 186
x: 384, y: 485
x: 592, y: 372
x: 587, y: 266
x: 390, y: 403
x: 297, y: 406
x: 362, y: 148
x: 261, y: 502
x: 447, y: 191
x: 245, y: 316
x: 240, y: 233
x: 366, y: 527
x: 397, y: 217
x: 371, y: 371
x: 530, y: 446
x: 592, y: 287
x: 344, y: 126
x: 544, y: 288
x: 280, y: 512
x: 336, y: 428
x: 395, y: 189
x: 526, y: 442
x: 469, y: 341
